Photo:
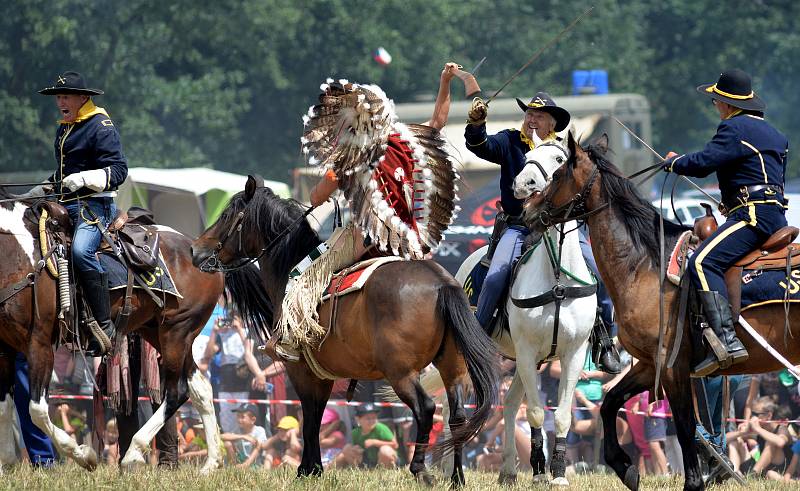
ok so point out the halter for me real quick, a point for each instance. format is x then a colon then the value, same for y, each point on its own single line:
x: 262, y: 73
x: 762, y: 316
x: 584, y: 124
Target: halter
x: 212, y: 263
x: 552, y: 215
x: 539, y: 166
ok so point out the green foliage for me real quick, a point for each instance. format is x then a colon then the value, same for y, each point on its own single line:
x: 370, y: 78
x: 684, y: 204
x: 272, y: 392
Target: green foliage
x: 224, y: 83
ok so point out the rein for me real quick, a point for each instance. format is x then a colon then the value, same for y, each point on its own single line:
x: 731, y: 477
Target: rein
x: 212, y: 264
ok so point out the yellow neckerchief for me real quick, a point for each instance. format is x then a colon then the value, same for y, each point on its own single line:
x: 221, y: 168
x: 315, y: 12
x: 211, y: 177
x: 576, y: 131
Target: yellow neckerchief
x: 735, y: 113
x: 531, y: 144
x: 87, y: 110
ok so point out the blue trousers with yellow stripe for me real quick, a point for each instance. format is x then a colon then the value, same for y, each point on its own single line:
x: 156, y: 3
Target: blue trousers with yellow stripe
x: 745, y: 229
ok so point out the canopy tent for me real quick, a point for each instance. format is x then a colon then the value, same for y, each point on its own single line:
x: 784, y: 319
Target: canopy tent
x: 187, y: 200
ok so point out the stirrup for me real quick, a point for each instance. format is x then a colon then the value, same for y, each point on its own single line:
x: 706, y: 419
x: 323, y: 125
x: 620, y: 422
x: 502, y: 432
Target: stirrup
x: 100, y: 337
x: 287, y: 353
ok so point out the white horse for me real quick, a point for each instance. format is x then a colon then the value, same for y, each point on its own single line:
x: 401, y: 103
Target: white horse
x: 531, y: 329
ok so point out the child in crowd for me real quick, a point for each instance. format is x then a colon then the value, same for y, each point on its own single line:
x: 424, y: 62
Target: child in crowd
x: 111, y: 443
x: 375, y: 438
x: 244, y: 447
x: 284, y: 446
x: 331, y: 438
x: 773, y: 438
x: 192, y: 444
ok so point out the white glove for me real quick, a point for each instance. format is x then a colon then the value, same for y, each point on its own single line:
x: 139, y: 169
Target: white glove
x: 95, y: 180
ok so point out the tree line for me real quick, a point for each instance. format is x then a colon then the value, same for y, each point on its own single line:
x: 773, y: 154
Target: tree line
x: 224, y: 83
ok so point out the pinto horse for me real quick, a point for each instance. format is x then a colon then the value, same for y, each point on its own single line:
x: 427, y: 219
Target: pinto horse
x: 30, y: 326
x: 408, y: 314
x: 624, y: 230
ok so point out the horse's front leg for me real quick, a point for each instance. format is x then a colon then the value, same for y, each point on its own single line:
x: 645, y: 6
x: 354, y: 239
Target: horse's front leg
x: 314, y: 394
x: 527, y: 361
x: 40, y: 370
x: 572, y: 361
x: 635, y: 381
x: 173, y: 361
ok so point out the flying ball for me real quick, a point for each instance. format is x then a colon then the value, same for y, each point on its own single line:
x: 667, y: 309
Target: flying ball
x: 382, y: 56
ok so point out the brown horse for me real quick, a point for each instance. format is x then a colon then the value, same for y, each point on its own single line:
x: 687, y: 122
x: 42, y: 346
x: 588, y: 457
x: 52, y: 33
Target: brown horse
x: 409, y: 314
x: 624, y: 231
x: 30, y: 326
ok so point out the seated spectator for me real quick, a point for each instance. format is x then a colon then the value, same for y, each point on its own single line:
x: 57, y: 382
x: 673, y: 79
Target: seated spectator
x: 791, y: 473
x: 111, y: 443
x: 72, y: 421
x: 331, y: 438
x: 244, y: 447
x: 284, y: 447
x: 377, y: 440
x: 774, y: 441
x: 192, y: 444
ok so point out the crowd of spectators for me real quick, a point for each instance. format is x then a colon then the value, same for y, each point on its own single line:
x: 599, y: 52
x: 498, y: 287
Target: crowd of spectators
x: 762, y: 433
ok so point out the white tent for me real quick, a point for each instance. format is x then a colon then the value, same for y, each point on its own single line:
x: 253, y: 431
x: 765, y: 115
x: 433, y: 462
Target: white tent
x: 185, y: 199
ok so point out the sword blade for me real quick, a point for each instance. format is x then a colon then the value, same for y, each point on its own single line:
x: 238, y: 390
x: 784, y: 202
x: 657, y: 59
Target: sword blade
x: 541, y: 51
x: 764, y: 344
x: 475, y: 68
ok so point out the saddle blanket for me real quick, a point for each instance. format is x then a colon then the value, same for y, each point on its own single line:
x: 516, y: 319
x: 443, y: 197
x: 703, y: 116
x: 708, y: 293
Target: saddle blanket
x: 159, y: 280
x: 355, y: 277
x: 759, y: 287
x: 474, y: 282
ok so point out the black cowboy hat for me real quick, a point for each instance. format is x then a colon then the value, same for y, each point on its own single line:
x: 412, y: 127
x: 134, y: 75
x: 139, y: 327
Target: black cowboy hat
x: 734, y: 87
x: 70, y: 83
x: 543, y: 102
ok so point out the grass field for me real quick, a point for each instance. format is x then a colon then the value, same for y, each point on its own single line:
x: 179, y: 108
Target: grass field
x: 70, y: 476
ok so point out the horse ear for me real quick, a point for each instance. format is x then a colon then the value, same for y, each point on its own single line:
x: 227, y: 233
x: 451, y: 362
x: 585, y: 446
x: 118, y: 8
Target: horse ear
x: 602, y: 143
x: 573, y: 148
x: 250, y: 188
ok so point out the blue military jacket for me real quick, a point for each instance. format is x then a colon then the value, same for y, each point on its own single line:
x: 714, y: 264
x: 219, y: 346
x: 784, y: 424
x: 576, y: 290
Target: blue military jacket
x: 746, y: 151
x: 507, y: 149
x: 90, y: 142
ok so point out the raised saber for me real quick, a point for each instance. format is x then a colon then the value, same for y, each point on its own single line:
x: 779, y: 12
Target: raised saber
x: 540, y: 52
x: 694, y: 184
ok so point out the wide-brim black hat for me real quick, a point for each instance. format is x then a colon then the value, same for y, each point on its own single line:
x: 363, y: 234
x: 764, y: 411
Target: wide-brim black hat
x: 734, y: 87
x: 543, y: 102
x: 70, y: 83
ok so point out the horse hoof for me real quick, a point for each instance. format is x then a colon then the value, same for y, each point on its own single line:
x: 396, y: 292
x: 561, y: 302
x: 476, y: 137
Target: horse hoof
x: 506, y: 479
x: 559, y: 481
x: 133, y: 460
x: 631, y: 479
x: 539, y: 478
x: 208, y: 468
x: 86, y: 458
x: 425, y: 478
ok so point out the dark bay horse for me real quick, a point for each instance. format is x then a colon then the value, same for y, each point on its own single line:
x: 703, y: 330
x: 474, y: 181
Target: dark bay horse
x: 409, y: 314
x: 624, y: 232
x: 29, y: 324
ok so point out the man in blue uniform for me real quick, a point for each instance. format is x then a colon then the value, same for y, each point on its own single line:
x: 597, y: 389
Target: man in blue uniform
x: 749, y: 157
x: 507, y: 149
x: 91, y: 166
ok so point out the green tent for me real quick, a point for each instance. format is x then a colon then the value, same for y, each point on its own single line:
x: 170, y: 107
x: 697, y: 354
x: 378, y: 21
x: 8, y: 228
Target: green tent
x: 187, y: 200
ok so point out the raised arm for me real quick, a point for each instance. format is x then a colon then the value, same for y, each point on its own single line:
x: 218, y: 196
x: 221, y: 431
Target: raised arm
x: 324, y: 188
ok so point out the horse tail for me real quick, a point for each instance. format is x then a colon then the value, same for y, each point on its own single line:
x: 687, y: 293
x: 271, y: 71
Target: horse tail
x: 245, y: 289
x: 480, y: 356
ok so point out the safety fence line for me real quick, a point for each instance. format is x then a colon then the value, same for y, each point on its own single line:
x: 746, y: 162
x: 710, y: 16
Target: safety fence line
x: 342, y: 403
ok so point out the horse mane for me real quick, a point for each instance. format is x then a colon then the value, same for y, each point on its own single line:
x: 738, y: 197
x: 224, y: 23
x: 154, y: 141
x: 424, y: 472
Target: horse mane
x: 267, y: 216
x: 639, y: 216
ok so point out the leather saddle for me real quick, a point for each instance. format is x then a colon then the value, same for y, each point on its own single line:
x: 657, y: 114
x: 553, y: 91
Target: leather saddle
x: 134, y: 231
x: 778, y: 252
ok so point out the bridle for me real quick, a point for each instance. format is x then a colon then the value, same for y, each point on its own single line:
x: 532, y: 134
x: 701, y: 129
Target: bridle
x: 212, y: 264
x: 551, y: 215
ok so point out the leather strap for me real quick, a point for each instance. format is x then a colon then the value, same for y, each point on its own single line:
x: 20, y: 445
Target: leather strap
x: 558, y: 293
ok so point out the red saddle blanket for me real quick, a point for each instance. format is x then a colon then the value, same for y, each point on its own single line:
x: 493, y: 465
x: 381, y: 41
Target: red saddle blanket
x: 353, y: 278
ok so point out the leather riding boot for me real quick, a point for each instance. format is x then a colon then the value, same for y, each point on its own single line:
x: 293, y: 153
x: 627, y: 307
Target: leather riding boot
x: 718, y: 315
x: 96, y: 293
x: 604, y: 353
